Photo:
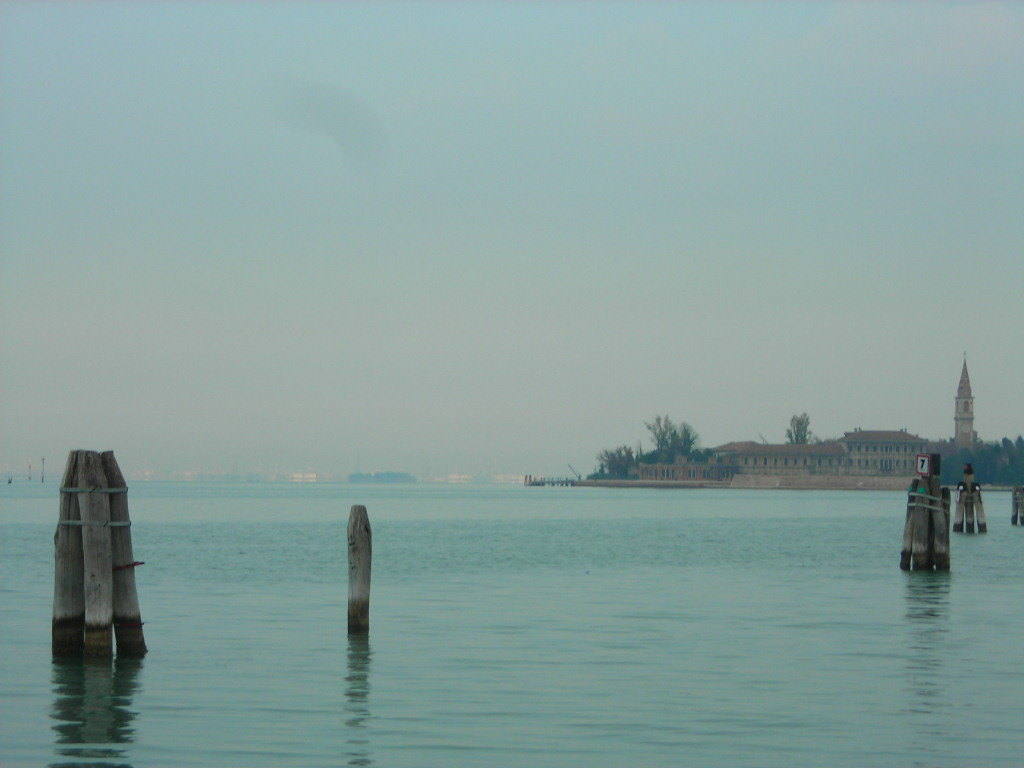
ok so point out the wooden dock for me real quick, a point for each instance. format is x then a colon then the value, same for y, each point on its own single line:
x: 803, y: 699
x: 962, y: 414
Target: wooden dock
x: 538, y: 481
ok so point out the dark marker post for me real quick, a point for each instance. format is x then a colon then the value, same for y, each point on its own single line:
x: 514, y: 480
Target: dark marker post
x: 360, y: 553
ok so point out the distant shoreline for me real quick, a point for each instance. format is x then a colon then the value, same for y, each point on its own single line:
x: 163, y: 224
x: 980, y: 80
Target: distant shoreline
x: 777, y: 483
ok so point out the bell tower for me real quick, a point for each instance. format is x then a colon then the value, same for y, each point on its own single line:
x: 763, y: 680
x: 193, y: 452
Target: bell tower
x: 963, y: 412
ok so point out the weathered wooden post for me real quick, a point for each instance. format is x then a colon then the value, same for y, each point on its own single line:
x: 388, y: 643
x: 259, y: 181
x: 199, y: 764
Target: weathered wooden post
x: 908, y: 525
x: 958, y: 516
x: 94, y: 504
x: 940, y: 529
x: 68, y: 573
x: 979, y: 510
x: 360, y: 552
x: 969, y: 505
x: 126, y: 612
x: 963, y: 499
x: 1017, y: 502
x: 926, y: 530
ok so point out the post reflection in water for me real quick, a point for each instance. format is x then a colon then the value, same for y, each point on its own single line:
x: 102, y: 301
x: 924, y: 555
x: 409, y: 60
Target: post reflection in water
x: 92, y: 711
x: 927, y: 618
x: 357, y: 692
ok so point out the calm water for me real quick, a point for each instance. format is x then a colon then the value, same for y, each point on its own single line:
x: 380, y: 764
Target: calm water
x: 525, y: 627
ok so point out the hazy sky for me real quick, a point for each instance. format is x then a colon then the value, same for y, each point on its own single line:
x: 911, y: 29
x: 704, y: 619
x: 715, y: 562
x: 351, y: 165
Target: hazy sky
x: 497, y: 238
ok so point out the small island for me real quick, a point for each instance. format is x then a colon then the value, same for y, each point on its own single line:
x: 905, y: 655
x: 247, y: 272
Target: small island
x: 861, y: 459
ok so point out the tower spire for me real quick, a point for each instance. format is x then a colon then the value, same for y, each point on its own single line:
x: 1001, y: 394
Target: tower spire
x: 964, y: 389
x: 964, y: 435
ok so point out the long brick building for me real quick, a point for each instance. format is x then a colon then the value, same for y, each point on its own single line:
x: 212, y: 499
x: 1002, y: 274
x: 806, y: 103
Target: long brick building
x: 860, y: 452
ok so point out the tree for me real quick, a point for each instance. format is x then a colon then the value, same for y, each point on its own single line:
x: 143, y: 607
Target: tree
x: 616, y: 462
x: 799, y: 432
x: 663, y: 433
x: 686, y: 439
x: 670, y: 440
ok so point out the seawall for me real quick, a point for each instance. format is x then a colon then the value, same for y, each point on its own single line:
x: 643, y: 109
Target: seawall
x: 779, y: 482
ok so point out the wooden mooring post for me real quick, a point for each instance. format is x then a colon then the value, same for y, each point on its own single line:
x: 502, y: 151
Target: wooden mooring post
x: 94, y: 582
x: 969, y: 506
x: 360, y: 552
x: 68, y: 572
x: 125, y: 603
x: 926, y: 530
x: 1017, y: 504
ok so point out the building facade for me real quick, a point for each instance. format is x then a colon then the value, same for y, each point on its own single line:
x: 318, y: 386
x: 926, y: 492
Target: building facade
x: 882, y: 452
x: 860, y: 452
x: 869, y: 452
x: 682, y: 471
x: 750, y: 458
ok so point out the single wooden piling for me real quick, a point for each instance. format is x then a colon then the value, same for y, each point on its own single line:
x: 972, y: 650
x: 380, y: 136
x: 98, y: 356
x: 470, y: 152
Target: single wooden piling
x: 94, y: 504
x: 68, y: 573
x: 940, y: 531
x: 908, y: 527
x: 1017, y: 506
x: 126, y: 612
x: 958, y: 519
x: 921, y: 538
x: 360, y: 553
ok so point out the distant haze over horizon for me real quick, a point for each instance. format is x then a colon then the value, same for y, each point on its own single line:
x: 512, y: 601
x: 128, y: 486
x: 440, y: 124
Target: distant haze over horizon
x: 497, y: 238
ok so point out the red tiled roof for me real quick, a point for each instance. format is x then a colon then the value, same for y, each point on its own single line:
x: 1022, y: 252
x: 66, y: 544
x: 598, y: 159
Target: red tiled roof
x: 824, y: 448
x: 882, y: 436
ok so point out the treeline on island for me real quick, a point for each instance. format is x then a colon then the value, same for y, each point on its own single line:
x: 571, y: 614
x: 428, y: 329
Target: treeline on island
x: 999, y: 463
x: 671, y: 440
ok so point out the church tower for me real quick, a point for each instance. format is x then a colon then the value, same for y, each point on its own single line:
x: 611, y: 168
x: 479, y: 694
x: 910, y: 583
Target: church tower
x: 963, y: 413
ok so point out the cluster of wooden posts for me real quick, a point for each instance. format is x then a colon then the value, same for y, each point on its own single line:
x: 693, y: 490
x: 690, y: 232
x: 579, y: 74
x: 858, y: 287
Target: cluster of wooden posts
x: 95, y: 600
x: 1017, y: 516
x: 926, y: 532
x: 94, y: 595
x: 969, y: 506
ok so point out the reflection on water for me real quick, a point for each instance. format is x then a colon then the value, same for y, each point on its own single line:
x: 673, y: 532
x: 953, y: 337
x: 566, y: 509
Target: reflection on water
x: 357, y: 692
x: 92, y: 711
x: 927, y: 616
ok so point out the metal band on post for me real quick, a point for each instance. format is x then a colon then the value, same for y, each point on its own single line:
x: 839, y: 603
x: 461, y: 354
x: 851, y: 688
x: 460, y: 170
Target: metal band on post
x: 94, y: 490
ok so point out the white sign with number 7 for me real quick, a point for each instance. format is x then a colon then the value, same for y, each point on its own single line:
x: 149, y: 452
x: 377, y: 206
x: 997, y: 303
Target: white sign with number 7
x: 924, y: 464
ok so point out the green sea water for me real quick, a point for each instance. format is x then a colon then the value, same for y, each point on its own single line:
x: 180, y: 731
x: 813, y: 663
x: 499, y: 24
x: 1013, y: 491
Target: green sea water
x: 520, y: 626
